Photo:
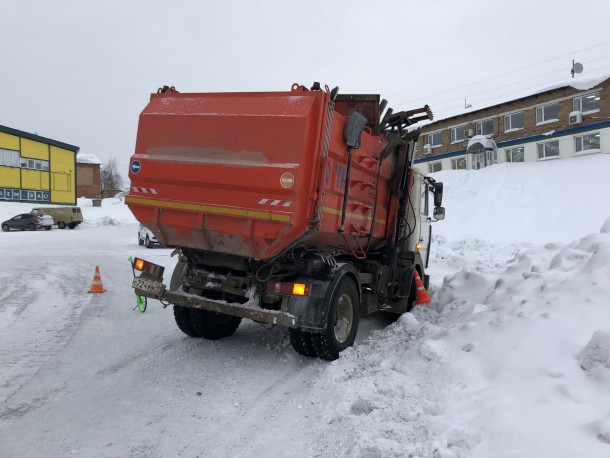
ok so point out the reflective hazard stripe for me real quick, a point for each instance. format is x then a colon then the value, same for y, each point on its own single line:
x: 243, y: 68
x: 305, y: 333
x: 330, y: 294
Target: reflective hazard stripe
x: 212, y: 209
x: 276, y: 203
x: 145, y: 190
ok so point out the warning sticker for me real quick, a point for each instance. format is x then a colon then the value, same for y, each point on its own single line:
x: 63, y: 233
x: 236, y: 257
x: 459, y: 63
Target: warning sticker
x: 287, y: 180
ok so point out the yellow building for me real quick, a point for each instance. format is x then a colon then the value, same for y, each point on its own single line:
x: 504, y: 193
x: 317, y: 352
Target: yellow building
x: 36, y: 169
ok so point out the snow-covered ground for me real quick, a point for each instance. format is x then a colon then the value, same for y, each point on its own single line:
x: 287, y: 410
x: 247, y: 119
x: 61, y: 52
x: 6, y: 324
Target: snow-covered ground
x: 511, y: 358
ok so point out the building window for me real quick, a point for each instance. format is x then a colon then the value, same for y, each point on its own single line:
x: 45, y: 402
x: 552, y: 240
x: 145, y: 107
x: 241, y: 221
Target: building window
x: 513, y: 121
x: 485, y: 127
x: 515, y: 154
x: 9, y: 158
x: 588, y: 142
x: 548, y: 149
x: 586, y: 103
x: 458, y: 163
x: 435, y: 139
x: 435, y: 167
x: 34, y: 164
x: 458, y: 134
x: 547, y: 113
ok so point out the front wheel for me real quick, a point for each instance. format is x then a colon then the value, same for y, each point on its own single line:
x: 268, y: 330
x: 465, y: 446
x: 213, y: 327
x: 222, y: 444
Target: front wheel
x: 140, y: 241
x: 301, y: 342
x: 71, y: 226
x: 5, y: 227
x: 147, y: 242
x: 47, y: 228
x: 342, y: 325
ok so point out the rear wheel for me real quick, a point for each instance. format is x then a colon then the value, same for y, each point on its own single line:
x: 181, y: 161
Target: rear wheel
x: 71, y: 226
x: 301, y: 342
x: 212, y: 325
x: 5, y: 228
x: 182, y: 316
x: 47, y: 228
x: 342, y: 325
x: 32, y: 227
x: 61, y: 225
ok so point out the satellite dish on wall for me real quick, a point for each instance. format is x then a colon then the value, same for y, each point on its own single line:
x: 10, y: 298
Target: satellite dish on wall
x: 576, y: 68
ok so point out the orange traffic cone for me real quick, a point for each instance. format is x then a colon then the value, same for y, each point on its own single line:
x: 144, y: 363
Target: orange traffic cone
x: 96, y: 286
x: 422, y: 296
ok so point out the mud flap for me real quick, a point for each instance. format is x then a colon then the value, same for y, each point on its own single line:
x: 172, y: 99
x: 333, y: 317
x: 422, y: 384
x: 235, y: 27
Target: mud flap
x: 309, y: 310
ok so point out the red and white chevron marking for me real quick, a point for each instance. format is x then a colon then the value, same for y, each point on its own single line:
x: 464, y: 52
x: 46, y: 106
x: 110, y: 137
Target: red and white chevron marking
x: 145, y: 190
x: 276, y: 203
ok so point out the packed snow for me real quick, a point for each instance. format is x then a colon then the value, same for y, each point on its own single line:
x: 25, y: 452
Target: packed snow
x: 510, y: 359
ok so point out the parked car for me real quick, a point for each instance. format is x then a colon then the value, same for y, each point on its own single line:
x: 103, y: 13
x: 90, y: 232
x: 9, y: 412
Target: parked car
x: 63, y: 216
x: 146, y: 237
x: 28, y: 221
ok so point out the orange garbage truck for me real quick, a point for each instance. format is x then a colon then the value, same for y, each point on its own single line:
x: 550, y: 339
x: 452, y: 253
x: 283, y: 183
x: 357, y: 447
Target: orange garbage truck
x: 297, y: 208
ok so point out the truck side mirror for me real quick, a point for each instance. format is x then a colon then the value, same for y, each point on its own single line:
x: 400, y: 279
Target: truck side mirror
x: 439, y: 213
x: 353, y: 129
x: 438, y: 194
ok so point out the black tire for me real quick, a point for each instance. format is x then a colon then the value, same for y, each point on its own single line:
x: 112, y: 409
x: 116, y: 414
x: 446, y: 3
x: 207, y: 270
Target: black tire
x: 212, y: 325
x: 31, y: 227
x: 182, y: 316
x: 176, y: 281
x: 412, y: 294
x: 61, y: 225
x: 5, y: 228
x: 342, y: 325
x: 47, y: 228
x: 140, y: 241
x: 71, y: 226
x: 148, y: 243
x: 301, y: 342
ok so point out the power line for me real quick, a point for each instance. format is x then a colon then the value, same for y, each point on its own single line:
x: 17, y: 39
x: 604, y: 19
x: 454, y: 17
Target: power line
x: 517, y: 91
x: 436, y: 104
x: 503, y: 74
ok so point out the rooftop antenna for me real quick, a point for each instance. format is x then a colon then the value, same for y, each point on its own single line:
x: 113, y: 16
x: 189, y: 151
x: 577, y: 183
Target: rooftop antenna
x: 466, y: 105
x: 576, y: 68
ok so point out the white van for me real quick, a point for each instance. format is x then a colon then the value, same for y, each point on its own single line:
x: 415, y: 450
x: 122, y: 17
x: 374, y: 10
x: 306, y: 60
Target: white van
x: 63, y: 216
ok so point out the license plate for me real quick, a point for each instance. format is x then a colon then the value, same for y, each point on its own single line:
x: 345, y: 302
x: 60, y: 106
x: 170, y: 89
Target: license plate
x: 154, y: 288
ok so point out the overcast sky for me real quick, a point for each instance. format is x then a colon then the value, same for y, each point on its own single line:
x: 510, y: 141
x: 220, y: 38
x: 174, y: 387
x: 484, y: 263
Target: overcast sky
x: 81, y: 71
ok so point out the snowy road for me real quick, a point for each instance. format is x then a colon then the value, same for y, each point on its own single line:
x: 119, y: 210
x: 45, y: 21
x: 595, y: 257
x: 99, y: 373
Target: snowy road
x: 85, y: 375
x: 511, y: 358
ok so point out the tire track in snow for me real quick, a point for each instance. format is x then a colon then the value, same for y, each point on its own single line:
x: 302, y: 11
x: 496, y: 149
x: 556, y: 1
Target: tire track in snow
x: 34, y: 327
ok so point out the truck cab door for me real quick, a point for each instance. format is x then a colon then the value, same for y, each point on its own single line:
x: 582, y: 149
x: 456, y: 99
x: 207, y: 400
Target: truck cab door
x: 425, y: 228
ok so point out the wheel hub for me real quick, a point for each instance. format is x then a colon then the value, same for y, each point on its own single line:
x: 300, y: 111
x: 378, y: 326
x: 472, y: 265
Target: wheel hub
x: 343, y: 318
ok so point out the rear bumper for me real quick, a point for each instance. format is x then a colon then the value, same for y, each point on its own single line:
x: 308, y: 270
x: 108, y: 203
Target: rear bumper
x: 249, y: 310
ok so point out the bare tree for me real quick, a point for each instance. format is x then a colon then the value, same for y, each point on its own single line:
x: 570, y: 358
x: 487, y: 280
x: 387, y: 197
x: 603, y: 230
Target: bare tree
x: 110, y: 177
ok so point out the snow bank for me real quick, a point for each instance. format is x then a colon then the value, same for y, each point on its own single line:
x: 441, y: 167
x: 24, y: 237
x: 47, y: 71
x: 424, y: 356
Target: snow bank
x: 550, y: 201
x: 512, y: 356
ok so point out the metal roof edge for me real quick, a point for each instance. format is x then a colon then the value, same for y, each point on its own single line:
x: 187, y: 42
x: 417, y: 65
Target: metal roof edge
x: 38, y: 138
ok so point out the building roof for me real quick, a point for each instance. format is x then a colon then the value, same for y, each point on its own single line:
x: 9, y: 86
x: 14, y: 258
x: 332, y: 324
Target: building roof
x: 581, y: 83
x: 38, y: 138
x: 87, y: 159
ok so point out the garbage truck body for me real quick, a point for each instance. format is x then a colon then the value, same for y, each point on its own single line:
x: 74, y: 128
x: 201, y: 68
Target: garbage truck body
x: 299, y: 208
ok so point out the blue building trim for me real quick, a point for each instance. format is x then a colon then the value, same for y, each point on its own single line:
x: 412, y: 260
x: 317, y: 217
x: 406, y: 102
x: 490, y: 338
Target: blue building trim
x: 520, y: 141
